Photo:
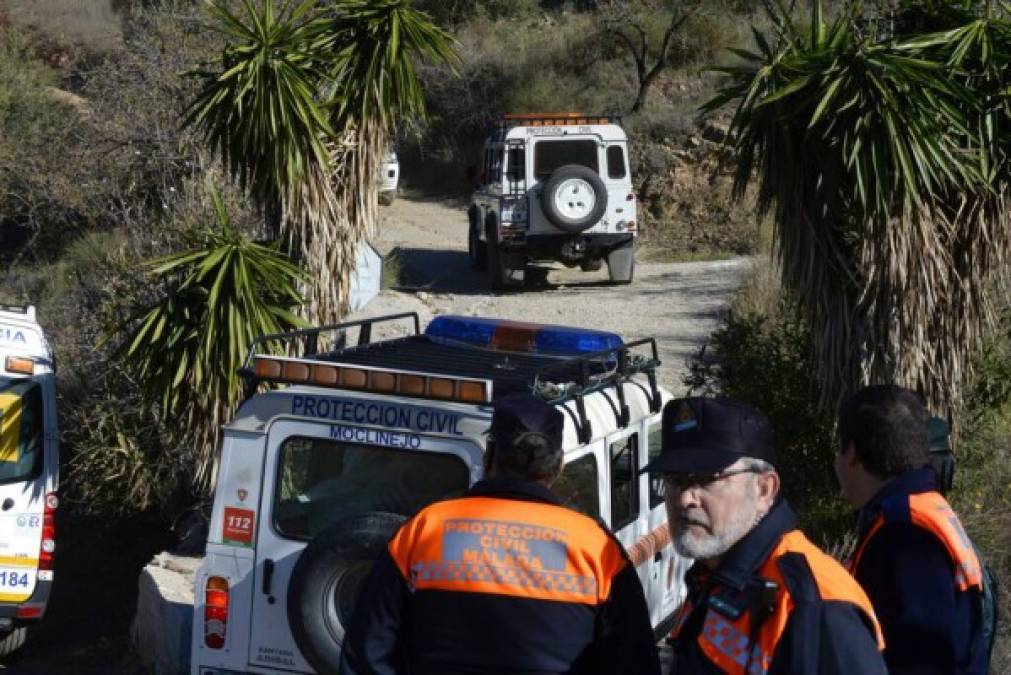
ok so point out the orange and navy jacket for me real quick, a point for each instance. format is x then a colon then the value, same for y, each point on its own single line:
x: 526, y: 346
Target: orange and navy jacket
x: 502, y: 580
x: 776, y: 605
x: 922, y: 575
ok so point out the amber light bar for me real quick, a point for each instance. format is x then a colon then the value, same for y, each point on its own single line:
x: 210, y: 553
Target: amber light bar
x: 379, y: 380
x: 556, y: 119
x: 20, y: 364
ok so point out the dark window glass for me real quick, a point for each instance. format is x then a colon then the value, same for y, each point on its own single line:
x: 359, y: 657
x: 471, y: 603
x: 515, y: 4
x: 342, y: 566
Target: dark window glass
x: 517, y: 164
x: 577, y: 486
x: 549, y: 155
x: 624, y: 481
x: 21, y: 430
x: 655, y: 481
x: 615, y: 162
x: 323, y: 481
x: 496, y: 165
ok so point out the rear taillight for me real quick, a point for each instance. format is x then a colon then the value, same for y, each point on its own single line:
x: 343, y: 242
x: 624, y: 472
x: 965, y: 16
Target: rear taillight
x: 48, y: 545
x: 215, y: 612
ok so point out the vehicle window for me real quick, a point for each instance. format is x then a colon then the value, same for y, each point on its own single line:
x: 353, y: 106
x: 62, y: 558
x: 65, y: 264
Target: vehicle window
x: 615, y: 162
x: 21, y: 430
x: 516, y: 165
x: 486, y: 168
x: 577, y: 486
x: 549, y: 155
x: 624, y: 481
x: 496, y: 165
x: 653, y: 446
x: 324, y: 481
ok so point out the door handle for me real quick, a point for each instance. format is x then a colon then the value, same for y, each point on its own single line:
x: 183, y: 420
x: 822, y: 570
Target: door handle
x: 268, y: 575
x: 8, y: 504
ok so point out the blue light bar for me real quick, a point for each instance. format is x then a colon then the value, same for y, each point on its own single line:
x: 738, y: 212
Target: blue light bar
x: 517, y: 336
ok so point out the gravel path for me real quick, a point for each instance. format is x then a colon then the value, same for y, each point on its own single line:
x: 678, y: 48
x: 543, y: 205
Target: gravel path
x: 678, y: 303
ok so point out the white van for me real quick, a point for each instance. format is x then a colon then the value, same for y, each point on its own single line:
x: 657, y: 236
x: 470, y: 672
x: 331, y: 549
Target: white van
x: 316, y: 476
x: 29, y: 468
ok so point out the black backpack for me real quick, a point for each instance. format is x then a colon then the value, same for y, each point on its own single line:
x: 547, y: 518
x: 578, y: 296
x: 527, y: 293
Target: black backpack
x: 943, y: 462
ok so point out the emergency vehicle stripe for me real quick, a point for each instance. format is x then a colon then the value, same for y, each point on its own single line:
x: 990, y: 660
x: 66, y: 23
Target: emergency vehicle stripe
x: 8, y: 561
x: 11, y: 597
x: 649, y: 545
x: 931, y: 511
x: 505, y: 547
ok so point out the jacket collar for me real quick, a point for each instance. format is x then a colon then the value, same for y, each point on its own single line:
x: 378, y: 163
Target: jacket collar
x: 744, y: 558
x: 912, y: 482
x: 504, y: 486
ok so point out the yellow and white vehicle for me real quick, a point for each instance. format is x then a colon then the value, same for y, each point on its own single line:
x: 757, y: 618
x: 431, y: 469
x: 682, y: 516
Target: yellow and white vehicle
x: 29, y: 466
x: 316, y: 476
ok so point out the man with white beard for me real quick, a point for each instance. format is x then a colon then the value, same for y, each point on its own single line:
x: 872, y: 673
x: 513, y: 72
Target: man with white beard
x: 762, y: 599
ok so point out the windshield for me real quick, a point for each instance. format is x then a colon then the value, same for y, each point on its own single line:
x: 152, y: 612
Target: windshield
x: 20, y: 429
x: 324, y: 481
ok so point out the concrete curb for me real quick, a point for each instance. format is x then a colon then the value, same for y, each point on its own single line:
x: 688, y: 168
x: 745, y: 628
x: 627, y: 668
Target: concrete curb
x: 161, y: 628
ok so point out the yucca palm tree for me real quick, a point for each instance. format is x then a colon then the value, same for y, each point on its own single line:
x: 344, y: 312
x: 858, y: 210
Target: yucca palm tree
x: 186, y: 347
x: 301, y: 108
x: 879, y: 144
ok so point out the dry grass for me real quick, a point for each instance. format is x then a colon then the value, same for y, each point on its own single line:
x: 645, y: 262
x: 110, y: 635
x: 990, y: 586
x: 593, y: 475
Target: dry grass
x: 90, y: 24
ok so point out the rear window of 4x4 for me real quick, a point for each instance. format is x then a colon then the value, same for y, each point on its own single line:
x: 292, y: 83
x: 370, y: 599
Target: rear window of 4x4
x: 550, y: 155
x: 20, y: 430
x: 323, y: 482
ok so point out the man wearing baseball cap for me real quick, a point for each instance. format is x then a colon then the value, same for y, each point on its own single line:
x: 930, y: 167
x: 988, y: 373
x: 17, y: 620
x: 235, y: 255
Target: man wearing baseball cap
x: 504, y: 579
x: 762, y: 599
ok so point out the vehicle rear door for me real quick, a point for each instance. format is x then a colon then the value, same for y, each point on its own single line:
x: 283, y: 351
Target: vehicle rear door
x: 319, y: 474
x: 22, y: 485
x: 623, y: 451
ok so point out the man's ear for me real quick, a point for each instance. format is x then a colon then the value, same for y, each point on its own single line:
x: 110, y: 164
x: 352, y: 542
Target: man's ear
x: 849, y: 456
x: 768, y: 489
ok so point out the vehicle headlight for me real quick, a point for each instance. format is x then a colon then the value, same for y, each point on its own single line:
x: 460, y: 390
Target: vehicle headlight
x: 514, y: 210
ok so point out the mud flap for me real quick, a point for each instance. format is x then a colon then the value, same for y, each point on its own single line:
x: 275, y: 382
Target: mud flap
x: 621, y: 264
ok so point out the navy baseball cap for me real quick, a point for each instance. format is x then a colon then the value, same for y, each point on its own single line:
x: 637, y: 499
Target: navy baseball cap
x: 706, y: 435
x: 518, y: 413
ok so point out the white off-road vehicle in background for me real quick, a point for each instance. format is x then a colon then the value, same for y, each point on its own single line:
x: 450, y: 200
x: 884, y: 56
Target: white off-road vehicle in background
x: 29, y: 474
x: 339, y: 447
x: 553, y: 187
x: 389, y: 177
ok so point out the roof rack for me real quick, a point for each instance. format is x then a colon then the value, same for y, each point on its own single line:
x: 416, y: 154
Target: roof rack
x: 626, y: 363
x: 421, y: 366
x: 554, y: 119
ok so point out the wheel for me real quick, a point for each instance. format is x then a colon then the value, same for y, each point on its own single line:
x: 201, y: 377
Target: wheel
x: 574, y: 198
x: 496, y: 272
x: 13, y: 641
x: 387, y: 198
x: 477, y: 250
x: 327, y: 579
x: 591, y: 265
x: 621, y: 264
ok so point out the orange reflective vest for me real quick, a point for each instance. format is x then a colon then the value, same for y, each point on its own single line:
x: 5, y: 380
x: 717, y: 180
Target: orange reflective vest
x: 746, y: 645
x: 507, y: 547
x: 931, y: 511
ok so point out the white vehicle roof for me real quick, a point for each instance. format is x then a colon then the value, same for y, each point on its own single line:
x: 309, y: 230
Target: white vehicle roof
x: 21, y: 335
x: 457, y: 366
x: 532, y: 125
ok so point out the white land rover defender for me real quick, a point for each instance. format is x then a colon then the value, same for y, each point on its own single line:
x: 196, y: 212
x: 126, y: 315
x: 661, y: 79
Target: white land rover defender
x: 316, y: 476
x: 553, y: 187
x: 29, y: 473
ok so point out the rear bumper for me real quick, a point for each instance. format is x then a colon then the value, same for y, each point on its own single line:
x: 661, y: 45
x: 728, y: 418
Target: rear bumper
x: 551, y: 246
x: 36, y: 605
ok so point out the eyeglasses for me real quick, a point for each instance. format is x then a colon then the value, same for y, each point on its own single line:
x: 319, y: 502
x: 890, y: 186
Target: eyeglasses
x: 679, y: 482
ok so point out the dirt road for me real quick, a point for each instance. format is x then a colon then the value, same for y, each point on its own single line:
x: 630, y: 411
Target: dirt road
x: 678, y: 303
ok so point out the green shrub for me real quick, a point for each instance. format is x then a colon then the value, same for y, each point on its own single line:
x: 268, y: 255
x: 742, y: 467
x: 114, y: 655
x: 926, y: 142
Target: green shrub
x: 766, y: 362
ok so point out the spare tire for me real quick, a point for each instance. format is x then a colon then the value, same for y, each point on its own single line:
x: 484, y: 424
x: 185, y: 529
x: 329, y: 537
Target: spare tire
x: 326, y: 580
x: 574, y: 198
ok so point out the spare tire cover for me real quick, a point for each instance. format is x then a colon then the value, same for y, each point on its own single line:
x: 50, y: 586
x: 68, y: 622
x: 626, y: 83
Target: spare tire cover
x: 574, y: 198
x: 326, y: 581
